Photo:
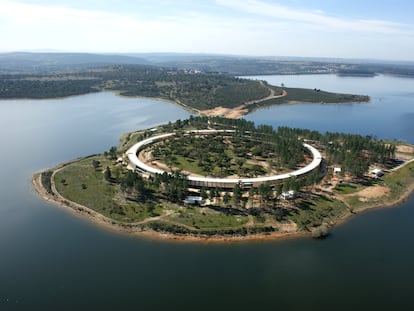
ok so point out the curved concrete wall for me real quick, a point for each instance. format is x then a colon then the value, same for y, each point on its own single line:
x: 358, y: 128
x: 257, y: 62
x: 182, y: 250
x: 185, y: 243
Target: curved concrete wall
x: 219, y: 182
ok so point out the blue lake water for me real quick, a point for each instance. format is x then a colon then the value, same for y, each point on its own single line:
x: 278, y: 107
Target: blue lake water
x: 390, y: 114
x: 53, y: 260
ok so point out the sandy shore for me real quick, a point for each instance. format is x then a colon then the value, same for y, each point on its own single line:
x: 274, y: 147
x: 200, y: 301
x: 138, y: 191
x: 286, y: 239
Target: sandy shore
x: 239, y: 111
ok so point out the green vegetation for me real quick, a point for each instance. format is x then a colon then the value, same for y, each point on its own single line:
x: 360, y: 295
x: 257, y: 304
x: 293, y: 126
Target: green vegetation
x: 38, y: 87
x: 196, y: 90
x: 204, y: 218
x: 400, y: 180
x: 347, y: 188
x: 316, y: 211
x: 45, y: 180
x: 298, y: 95
x: 227, y: 154
x: 397, y: 183
x: 240, y: 66
x: 166, y: 227
x: 85, y: 183
x: 159, y: 202
x: 96, y: 195
x: 193, y: 89
x: 23, y: 62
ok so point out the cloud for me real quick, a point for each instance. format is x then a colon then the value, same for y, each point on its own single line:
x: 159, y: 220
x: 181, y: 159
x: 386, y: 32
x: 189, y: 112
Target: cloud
x: 317, y: 18
x: 30, y: 13
x: 28, y: 26
x: 250, y: 27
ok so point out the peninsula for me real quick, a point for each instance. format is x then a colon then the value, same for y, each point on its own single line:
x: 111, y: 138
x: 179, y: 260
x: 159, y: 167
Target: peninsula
x: 214, y: 179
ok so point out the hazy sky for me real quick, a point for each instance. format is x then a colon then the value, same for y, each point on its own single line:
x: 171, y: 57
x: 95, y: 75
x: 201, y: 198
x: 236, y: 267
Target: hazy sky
x: 380, y: 29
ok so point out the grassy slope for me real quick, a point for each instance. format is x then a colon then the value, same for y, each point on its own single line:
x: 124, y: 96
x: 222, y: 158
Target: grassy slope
x: 207, y: 218
x: 99, y: 194
x: 103, y: 197
x: 310, y: 213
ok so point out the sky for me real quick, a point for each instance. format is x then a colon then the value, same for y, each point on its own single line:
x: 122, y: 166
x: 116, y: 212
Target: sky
x: 369, y: 29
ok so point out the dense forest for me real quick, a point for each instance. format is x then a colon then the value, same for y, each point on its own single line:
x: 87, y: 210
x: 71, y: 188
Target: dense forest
x: 45, y: 88
x: 194, y: 89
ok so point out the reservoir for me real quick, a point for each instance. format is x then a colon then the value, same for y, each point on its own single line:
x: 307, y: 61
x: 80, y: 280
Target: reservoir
x: 51, y: 259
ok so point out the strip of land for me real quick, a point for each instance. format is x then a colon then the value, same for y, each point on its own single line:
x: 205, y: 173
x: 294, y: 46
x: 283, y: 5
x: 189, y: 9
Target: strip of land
x: 243, y: 109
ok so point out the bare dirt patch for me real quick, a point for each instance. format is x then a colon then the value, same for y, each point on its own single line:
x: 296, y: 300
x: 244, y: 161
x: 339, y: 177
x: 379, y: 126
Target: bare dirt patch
x: 404, y: 152
x: 372, y: 192
x: 288, y: 227
x: 405, y: 149
x: 241, y: 110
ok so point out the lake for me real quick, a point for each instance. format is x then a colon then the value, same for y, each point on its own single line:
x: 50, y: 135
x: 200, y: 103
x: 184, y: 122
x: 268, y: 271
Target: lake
x: 53, y: 260
x: 390, y: 114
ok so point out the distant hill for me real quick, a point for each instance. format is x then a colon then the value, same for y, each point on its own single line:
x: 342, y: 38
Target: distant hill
x: 25, y: 62
x: 254, y: 65
x: 43, y: 62
x: 159, y: 58
x: 239, y: 65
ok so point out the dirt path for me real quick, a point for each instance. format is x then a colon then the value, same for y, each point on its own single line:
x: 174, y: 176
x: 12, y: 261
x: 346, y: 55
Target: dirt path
x: 250, y: 222
x: 239, y: 111
x: 82, y: 210
x: 402, y: 165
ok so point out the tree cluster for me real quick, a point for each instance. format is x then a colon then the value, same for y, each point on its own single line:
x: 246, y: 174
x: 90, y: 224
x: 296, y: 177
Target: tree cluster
x: 195, y: 89
x: 44, y: 88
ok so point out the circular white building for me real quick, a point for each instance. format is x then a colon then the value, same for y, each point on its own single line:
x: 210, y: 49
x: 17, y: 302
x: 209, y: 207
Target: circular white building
x: 211, y: 182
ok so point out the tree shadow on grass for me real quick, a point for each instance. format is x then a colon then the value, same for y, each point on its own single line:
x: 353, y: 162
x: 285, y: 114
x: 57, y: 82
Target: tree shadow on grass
x: 305, y: 205
x: 228, y: 210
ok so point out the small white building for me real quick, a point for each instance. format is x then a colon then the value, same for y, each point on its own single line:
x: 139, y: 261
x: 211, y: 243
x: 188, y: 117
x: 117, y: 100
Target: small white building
x: 377, y: 172
x: 288, y: 195
x: 337, y: 170
x: 193, y: 200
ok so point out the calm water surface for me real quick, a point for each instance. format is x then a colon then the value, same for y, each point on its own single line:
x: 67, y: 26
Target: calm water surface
x: 390, y: 114
x: 52, y: 260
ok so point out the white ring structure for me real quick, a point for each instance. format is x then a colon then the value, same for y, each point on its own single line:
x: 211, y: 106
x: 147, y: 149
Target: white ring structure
x: 132, y: 154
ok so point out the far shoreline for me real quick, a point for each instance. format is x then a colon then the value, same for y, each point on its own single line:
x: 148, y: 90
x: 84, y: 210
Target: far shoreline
x: 236, y: 112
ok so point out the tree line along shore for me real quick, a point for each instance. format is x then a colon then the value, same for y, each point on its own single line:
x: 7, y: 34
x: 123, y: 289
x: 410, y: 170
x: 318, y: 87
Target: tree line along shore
x: 103, y: 188
x: 192, y: 89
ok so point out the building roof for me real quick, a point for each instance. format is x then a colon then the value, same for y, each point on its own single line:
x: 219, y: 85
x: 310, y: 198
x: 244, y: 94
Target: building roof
x: 133, y: 158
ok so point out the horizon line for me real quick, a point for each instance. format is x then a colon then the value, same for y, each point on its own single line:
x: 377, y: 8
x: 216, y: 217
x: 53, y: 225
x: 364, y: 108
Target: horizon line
x: 52, y: 51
